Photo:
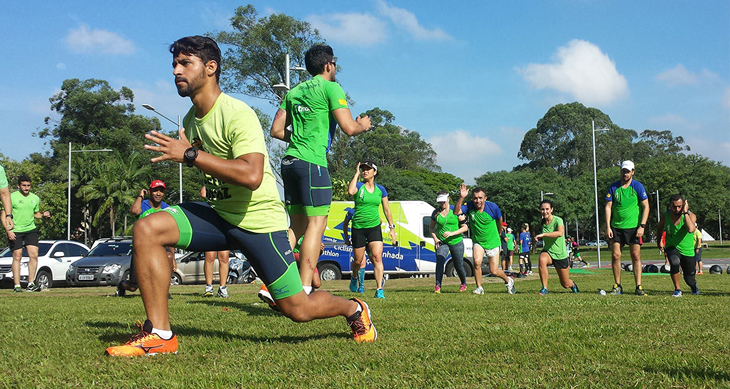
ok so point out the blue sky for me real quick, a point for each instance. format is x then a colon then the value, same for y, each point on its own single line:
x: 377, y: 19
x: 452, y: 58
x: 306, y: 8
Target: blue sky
x: 470, y: 77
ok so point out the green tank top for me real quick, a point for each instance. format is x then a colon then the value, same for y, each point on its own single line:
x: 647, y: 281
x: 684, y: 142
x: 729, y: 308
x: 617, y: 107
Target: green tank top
x: 678, y: 236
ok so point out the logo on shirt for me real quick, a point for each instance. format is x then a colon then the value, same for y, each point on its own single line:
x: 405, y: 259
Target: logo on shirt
x: 608, y: 195
x: 342, y: 101
x: 301, y: 108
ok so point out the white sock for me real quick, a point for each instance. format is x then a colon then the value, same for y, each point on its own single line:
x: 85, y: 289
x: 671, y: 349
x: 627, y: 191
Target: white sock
x: 307, y: 289
x: 162, y: 333
x: 17, y: 286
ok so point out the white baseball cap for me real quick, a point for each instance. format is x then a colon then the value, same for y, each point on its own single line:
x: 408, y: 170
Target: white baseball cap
x: 442, y: 198
x: 628, y: 165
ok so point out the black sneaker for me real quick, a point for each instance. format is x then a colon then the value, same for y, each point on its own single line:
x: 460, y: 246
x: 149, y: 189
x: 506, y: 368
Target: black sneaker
x: 617, y: 289
x: 18, y: 289
x: 32, y: 287
x: 574, y: 288
x: 639, y: 291
x: 121, y: 292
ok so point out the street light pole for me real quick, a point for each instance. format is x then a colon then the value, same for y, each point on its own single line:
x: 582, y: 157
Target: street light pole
x: 68, y: 205
x: 595, y: 188
x: 286, y: 86
x: 151, y: 108
x: 542, y: 194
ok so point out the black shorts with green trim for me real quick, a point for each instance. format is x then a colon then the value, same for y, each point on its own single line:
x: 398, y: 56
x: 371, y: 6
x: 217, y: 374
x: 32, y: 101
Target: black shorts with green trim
x: 202, y: 229
x: 307, y: 187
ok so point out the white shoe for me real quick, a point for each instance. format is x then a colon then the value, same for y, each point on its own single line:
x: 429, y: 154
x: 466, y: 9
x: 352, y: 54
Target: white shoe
x: 479, y: 290
x: 511, y: 286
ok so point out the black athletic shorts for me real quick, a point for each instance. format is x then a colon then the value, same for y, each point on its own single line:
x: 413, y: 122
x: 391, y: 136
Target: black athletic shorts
x: 559, y: 263
x: 625, y: 236
x: 307, y: 187
x: 362, y: 236
x: 22, y: 239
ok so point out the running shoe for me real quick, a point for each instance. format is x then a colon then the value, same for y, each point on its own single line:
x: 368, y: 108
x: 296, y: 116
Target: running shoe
x: 695, y: 290
x: 617, y: 289
x: 361, y: 289
x: 437, y: 289
x: 379, y: 294
x: 639, y: 291
x: 208, y: 291
x: 574, y: 288
x: 479, y: 290
x: 543, y: 291
x: 677, y: 293
x: 462, y: 288
x: 265, y: 296
x: 223, y: 292
x: 144, y: 343
x: 362, y: 327
x: 353, y: 285
x: 18, y: 289
x: 511, y: 286
x: 699, y: 272
x: 121, y: 292
x: 32, y: 287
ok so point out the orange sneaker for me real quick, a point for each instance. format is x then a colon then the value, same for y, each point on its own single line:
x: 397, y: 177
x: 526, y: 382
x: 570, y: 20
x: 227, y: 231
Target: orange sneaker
x: 265, y: 296
x: 144, y: 343
x: 363, y: 329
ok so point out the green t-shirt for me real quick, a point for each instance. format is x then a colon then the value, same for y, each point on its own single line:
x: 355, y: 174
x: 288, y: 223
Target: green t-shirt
x: 310, y: 105
x: 554, y: 246
x: 483, y: 225
x: 697, y: 238
x: 230, y: 130
x: 510, y: 241
x: 678, y: 236
x: 625, y: 204
x: 367, y: 206
x: 23, y: 209
x: 3, y: 178
x: 450, y: 223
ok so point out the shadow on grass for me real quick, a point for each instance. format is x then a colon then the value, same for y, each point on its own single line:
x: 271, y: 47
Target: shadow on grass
x: 261, y: 309
x: 692, y: 373
x: 120, y: 337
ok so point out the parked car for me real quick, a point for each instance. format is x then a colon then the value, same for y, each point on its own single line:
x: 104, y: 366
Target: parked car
x: 190, y: 269
x: 54, y: 258
x: 106, y: 264
x: 593, y: 243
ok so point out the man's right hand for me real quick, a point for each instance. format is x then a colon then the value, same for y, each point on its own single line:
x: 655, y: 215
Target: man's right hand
x: 11, y: 235
x: 609, y: 233
x: 143, y: 193
x: 364, y: 121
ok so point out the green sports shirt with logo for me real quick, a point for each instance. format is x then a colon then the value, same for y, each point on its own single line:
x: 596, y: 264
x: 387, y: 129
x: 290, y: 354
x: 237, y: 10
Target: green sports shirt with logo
x: 678, y: 236
x: 626, y: 204
x: 510, y: 241
x: 483, y: 225
x: 310, y: 105
x: 24, y: 208
x: 449, y: 223
x: 232, y: 129
x: 367, y: 206
x: 554, y: 246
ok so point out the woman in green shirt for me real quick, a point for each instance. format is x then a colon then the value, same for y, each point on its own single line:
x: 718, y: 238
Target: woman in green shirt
x: 553, y: 251
x: 447, y: 238
x: 366, y: 230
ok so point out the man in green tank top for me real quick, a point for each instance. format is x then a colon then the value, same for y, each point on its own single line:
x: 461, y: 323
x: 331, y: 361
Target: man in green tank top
x: 679, y: 224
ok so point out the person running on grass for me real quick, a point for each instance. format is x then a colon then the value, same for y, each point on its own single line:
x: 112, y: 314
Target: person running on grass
x: 366, y: 232
x: 554, y: 251
x: 222, y: 137
x: 446, y: 230
x: 679, y: 225
x: 485, y: 224
x: 624, y: 224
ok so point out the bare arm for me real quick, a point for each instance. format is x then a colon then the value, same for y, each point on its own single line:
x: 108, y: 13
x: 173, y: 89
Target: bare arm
x: 609, y: 232
x: 660, y: 232
x: 7, y: 222
x: 282, y: 120
x: 349, y: 126
x: 345, y: 228
x: 644, y: 218
x: 352, y: 189
x: 136, y: 208
x: 389, y: 218
x: 689, y: 218
x: 463, y: 192
x: 246, y: 170
x: 431, y: 228
x: 555, y: 234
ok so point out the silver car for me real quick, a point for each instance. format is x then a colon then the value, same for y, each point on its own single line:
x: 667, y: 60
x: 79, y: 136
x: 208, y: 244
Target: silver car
x: 190, y: 269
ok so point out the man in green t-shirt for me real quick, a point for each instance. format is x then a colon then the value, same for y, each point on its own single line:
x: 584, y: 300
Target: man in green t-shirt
x: 313, y: 109
x: 7, y: 220
x: 679, y: 225
x: 625, y: 224
x: 25, y: 209
x: 223, y: 138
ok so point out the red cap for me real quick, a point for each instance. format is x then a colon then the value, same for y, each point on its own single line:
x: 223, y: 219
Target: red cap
x: 503, y: 223
x: 157, y: 183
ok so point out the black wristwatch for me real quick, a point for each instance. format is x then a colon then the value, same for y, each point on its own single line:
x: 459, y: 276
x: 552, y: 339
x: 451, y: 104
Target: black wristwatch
x: 642, y: 225
x: 10, y: 215
x: 190, y: 155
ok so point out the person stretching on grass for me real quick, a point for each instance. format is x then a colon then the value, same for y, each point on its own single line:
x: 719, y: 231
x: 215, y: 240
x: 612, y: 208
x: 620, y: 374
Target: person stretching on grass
x: 485, y: 224
x: 222, y: 137
x: 447, y: 238
x: 679, y: 224
x: 553, y: 251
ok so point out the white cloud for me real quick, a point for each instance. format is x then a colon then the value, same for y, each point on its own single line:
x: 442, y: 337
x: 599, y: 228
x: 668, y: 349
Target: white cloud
x: 673, y: 122
x: 581, y: 70
x: 465, y: 155
x: 679, y: 75
x: 162, y: 96
x: 407, y: 21
x: 87, y: 40
x: 714, y: 149
x: 351, y: 28
x: 220, y: 20
x: 61, y: 66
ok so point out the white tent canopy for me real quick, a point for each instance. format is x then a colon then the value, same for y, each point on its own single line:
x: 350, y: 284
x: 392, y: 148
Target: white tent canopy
x: 707, y: 237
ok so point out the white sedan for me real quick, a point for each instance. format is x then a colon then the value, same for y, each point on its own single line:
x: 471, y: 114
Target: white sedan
x: 54, y: 258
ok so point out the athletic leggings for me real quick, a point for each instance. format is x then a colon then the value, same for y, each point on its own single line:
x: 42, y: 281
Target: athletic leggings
x: 676, y: 259
x: 457, y: 255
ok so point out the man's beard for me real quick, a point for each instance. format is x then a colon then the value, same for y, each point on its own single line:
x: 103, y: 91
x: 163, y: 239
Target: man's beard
x: 190, y: 86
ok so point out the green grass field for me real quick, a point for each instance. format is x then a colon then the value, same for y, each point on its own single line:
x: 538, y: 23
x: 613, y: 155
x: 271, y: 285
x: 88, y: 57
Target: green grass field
x: 57, y: 338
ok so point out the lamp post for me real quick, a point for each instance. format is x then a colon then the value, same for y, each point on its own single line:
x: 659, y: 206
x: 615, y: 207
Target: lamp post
x: 179, y: 167
x: 543, y: 194
x: 286, y: 86
x: 657, y: 205
x: 595, y: 187
x: 68, y: 206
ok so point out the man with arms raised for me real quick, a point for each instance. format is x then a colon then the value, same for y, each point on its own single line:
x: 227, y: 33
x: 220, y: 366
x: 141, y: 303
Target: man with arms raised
x: 223, y: 138
x: 485, y: 224
x: 313, y: 108
x: 625, y: 224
